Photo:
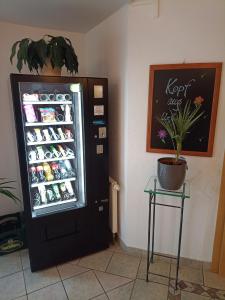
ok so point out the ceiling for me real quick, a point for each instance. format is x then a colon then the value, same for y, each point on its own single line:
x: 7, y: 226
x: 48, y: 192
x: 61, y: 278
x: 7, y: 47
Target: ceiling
x: 69, y: 15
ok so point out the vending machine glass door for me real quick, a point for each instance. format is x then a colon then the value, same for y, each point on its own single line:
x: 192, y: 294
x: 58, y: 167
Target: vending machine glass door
x: 53, y: 132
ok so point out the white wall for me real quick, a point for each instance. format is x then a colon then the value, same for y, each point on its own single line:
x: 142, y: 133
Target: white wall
x: 185, y: 31
x: 106, y: 52
x: 9, y: 33
x: 190, y: 31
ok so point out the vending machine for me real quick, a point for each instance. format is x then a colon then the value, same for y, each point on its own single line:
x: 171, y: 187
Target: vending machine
x: 62, y: 136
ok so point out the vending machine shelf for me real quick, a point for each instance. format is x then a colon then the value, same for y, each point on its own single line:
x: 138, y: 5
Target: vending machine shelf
x: 47, y: 102
x: 47, y: 123
x: 54, y: 203
x: 52, y: 182
x: 31, y: 162
x: 50, y: 142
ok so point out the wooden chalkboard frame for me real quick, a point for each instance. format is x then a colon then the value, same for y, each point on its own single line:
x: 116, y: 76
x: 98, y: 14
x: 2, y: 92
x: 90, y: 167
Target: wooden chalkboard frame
x: 153, y: 68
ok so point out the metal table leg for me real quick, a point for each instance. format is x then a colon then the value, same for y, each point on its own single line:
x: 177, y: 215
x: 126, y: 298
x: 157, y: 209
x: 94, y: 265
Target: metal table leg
x: 153, y: 222
x: 180, y: 236
x: 149, y: 231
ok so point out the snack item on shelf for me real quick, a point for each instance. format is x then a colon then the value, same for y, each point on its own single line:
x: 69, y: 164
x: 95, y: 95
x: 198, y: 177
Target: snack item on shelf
x: 61, y: 150
x: 46, y: 135
x: 40, y: 173
x: 30, y: 97
x: 63, y: 97
x: 69, y: 188
x: 68, y: 133
x: 30, y: 113
x: 69, y: 169
x: 30, y: 137
x: 48, y: 154
x: 59, y: 117
x: 47, y: 97
x: 53, y: 134
x: 68, y: 151
x: 56, y: 192
x: 36, y: 199
x: 39, y: 137
x: 55, y: 169
x: 67, y: 113
x: 34, y: 177
x: 47, y: 114
x: 42, y: 192
x: 55, y: 152
x: 40, y: 153
x: 48, y: 172
x: 63, y: 172
x: 50, y: 195
x: 61, y: 134
x: 32, y: 155
x: 64, y: 192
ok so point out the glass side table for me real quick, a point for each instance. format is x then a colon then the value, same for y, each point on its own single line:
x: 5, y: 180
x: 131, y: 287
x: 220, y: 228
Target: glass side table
x: 153, y: 188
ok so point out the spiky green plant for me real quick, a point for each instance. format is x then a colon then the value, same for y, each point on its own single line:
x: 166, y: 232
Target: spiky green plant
x: 6, y: 189
x: 180, y: 122
x: 35, y: 54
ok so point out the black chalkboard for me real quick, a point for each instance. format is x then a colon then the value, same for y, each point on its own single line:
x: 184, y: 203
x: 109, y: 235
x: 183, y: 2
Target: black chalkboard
x: 172, y: 85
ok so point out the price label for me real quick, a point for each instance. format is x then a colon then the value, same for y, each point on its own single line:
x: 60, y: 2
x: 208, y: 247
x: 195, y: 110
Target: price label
x: 98, y: 110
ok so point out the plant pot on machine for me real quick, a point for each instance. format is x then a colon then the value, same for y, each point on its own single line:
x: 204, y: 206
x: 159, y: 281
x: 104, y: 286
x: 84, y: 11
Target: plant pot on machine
x: 171, y: 173
x: 48, y: 70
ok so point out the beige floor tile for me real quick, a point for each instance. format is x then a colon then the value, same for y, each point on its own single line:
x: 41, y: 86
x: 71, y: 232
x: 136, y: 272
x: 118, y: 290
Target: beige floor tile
x: 157, y: 257
x: 98, y: 261
x: 109, y: 281
x: 186, y: 262
x: 206, y: 266
x: 121, y: 293
x: 10, y: 264
x: 187, y: 274
x: 152, y: 277
x: 124, y: 265
x: 191, y: 296
x: 116, y: 247
x: 68, y: 270
x: 213, y: 280
x: 83, y: 287
x: 149, y: 291
x: 40, y: 279
x: 52, y: 292
x: 74, y: 261
x: 101, y: 297
x: 160, y: 268
x: 25, y: 258
x: 12, y: 286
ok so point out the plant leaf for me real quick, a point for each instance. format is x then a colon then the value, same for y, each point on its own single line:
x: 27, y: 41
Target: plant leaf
x: 13, y: 51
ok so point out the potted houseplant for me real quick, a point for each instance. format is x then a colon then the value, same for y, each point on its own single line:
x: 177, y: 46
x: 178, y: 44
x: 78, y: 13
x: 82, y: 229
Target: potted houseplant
x: 172, y: 170
x: 50, y: 54
x: 11, y: 227
x: 6, y: 190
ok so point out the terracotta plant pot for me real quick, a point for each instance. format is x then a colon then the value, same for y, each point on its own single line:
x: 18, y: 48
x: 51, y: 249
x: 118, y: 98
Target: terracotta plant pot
x: 47, y: 70
x: 171, y: 174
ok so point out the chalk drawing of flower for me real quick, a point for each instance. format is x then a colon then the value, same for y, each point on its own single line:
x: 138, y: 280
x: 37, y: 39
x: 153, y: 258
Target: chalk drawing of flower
x: 162, y: 134
x: 198, y: 100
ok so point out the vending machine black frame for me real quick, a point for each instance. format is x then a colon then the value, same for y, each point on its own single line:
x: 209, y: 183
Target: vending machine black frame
x: 58, y: 237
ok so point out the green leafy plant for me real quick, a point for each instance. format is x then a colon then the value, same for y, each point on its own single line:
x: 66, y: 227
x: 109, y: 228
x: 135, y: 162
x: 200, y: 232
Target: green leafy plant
x: 179, y: 123
x: 6, y: 189
x: 57, y: 50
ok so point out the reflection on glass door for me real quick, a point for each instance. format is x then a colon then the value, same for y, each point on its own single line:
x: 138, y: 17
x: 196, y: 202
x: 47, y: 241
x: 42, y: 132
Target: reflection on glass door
x: 53, y: 132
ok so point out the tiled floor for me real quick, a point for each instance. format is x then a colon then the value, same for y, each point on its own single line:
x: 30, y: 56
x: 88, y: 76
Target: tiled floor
x: 113, y: 274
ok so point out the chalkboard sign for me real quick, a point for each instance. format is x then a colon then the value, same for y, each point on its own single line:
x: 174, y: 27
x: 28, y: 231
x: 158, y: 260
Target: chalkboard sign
x: 173, y: 85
